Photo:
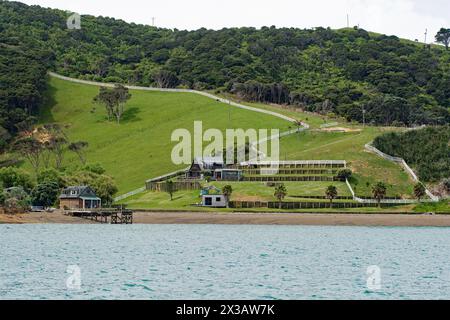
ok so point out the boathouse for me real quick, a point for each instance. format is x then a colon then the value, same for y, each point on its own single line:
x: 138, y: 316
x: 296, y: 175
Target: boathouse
x: 79, y: 197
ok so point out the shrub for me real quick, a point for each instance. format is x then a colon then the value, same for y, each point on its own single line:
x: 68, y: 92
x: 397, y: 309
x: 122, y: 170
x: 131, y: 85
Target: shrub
x: 16, y: 200
x: 344, y: 174
x: 51, y: 175
x: 13, y: 177
x: 45, y: 194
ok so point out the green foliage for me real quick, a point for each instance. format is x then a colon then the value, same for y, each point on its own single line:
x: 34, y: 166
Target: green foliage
x: 114, y: 100
x: 344, y: 174
x: 170, y: 188
x: 16, y: 200
x: 14, y: 177
x: 95, y: 168
x: 323, y: 70
x: 379, y: 191
x: 280, y: 192
x: 2, y: 197
x: 51, y: 176
x: 227, y: 190
x: 436, y: 207
x: 4, y: 138
x: 427, y: 150
x: 443, y: 36
x: 331, y: 193
x: 45, y: 194
x: 79, y: 148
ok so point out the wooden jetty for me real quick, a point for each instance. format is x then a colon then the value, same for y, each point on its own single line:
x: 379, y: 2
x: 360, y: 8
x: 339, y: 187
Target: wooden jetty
x: 118, y: 215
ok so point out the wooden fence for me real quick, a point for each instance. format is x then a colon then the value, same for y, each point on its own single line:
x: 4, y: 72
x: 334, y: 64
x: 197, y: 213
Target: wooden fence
x: 295, y: 164
x: 294, y: 171
x: 177, y: 185
x: 289, y: 178
x: 302, y: 205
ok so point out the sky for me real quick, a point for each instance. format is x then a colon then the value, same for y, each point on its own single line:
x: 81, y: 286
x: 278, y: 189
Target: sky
x: 403, y: 18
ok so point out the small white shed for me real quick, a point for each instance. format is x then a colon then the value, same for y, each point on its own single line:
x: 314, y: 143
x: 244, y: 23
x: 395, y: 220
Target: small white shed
x: 214, y: 201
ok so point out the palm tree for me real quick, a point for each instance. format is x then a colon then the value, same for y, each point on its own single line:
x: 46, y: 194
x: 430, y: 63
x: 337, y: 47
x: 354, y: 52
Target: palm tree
x: 379, y: 192
x: 280, y: 193
x: 227, y: 191
x: 170, y: 188
x: 331, y: 194
x: 419, y: 191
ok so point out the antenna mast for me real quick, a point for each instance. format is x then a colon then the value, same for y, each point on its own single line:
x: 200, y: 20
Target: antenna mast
x: 426, y: 34
x: 153, y: 21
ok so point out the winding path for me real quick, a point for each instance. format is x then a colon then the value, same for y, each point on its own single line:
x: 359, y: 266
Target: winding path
x: 205, y: 94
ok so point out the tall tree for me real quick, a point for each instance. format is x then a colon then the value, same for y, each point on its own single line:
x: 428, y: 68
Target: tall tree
x: 31, y: 149
x: 79, y: 148
x: 379, y: 191
x: 227, y: 191
x: 443, y: 36
x: 45, y: 194
x: 280, y: 193
x: 57, y: 142
x: 122, y: 95
x: 105, y: 98
x: 170, y: 188
x: 331, y: 193
x: 114, y: 100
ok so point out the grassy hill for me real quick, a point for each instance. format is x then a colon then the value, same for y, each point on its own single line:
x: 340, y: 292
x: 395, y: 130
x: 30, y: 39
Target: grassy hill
x: 140, y: 147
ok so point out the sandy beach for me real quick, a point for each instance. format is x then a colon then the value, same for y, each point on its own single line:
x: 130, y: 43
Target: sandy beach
x: 316, y: 219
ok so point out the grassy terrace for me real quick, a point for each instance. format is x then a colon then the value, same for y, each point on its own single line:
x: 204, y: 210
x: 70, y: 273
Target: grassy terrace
x: 242, y: 191
x: 368, y: 168
x: 318, y: 144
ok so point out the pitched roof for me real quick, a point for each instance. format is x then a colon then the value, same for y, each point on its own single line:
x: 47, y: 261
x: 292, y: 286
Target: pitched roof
x: 208, y: 162
x: 75, y: 192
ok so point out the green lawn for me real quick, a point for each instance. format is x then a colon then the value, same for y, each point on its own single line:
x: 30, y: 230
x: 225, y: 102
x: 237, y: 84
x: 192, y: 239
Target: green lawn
x: 140, y: 147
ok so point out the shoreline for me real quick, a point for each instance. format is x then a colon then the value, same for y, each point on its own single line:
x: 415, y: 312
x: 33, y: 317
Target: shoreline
x: 305, y: 219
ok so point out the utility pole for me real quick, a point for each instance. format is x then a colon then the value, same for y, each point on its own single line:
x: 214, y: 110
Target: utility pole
x: 348, y: 21
x: 426, y: 34
x: 153, y: 21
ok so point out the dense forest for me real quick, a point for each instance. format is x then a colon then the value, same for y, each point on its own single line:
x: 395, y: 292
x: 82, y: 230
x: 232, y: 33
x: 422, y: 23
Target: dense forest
x: 426, y: 150
x: 344, y: 72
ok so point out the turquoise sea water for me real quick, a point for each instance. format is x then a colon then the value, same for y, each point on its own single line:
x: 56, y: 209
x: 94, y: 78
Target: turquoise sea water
x: 222, y: 262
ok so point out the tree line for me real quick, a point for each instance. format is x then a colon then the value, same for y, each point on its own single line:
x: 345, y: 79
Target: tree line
x: 348, y: 72
x: 426, y: 150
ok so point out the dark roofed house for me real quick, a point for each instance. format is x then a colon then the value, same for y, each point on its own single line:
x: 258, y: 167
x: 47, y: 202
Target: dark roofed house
x: 79, y: 197
x: 201, y: 165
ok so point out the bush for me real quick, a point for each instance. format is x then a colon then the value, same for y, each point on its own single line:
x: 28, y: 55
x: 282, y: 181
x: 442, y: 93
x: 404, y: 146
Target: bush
x: 2, y: 198
x: 13, y: 177
x: 45, y: 194
x: 344, y: 174
x: 95, y: 168
x: 51, y: 175
x: 16, y: 200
